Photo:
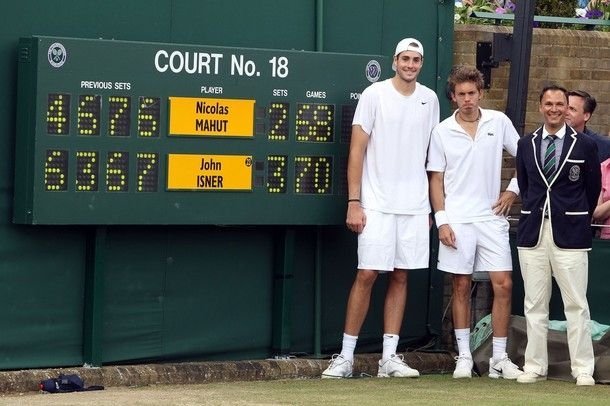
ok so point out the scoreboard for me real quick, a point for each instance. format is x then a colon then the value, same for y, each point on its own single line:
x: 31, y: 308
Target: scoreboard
x: 119, y: 132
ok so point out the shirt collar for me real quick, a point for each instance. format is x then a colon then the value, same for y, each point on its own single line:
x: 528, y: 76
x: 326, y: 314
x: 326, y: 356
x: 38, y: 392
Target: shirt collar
x: 559, y: 134
x: 483, y: 115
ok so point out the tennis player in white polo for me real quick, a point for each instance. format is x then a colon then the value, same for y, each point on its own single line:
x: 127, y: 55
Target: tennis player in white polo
x: 464, y: 167
x: 388, y: 204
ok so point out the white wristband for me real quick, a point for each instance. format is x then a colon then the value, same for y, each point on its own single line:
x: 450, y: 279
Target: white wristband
x: 440, y: 217
x: 513, y: 186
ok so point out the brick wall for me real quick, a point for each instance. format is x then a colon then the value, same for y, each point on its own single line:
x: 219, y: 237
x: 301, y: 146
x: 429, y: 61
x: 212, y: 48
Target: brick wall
x: 575, y: 59
x: 572, y: 58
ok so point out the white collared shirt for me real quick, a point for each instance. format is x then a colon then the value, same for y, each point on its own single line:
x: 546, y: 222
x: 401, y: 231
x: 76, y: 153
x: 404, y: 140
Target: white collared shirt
x: 472, y: 167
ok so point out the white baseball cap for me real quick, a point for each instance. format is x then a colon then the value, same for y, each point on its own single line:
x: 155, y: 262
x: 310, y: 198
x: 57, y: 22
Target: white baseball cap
x: 408, y: 44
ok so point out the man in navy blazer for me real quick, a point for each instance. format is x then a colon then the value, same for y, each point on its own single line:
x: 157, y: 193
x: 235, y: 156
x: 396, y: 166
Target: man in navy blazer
x: 559, y: 184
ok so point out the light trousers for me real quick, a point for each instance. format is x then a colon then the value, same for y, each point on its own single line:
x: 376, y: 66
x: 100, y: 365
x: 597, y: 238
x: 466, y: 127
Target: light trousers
x: 570, y: 269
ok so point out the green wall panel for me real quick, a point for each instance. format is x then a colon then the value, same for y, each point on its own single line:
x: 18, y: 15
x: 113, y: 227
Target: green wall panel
x: 219, y: 302
x: 134, y: 20
x: 161, y: 302
x: 364, y: 21
x: 134, y: 293
x: 599, y: 289
x: 276, y: 24
x: 303, y: 300
x: 41, y: 293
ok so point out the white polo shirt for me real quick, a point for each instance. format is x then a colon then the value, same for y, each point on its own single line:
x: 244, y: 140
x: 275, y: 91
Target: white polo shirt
x: 472, y: 167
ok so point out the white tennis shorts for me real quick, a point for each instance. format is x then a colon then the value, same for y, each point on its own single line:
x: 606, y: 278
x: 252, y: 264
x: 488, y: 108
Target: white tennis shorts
x: 391, y: 241
x: 481, y: 247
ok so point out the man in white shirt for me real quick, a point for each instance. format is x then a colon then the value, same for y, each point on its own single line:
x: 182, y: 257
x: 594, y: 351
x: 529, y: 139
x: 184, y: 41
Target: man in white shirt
x: 388, y: 203
x: 464, y: 165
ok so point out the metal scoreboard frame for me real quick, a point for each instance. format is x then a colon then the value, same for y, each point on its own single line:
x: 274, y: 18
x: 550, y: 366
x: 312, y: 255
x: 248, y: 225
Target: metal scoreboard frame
x: 120, y: 132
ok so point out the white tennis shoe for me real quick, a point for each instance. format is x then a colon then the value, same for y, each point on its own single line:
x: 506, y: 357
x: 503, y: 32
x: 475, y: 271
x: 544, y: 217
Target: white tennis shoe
x: 338, y: 367
x: 463, y: 367
x: 504, y: 368
x: 396, y: 367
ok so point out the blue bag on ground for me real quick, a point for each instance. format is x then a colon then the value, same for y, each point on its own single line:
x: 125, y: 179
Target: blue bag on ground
x: 66, y: 383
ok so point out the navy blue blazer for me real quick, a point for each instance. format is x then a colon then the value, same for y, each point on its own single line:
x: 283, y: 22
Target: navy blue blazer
x: 571, y: 194
x: 602, y: 142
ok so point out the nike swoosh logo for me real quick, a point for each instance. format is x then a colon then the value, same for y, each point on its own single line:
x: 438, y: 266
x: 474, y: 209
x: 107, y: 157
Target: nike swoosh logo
x: 424, y: 102
x: 497, y: 370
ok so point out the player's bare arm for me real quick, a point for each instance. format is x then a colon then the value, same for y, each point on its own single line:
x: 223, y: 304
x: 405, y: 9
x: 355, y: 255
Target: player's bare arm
x: 356, y: 219
x: 437, y: 199
x: 502, y: 206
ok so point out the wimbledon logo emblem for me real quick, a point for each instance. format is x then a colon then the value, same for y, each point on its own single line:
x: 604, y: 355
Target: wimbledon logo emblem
x: 373, y: 71
x: 57, y: 55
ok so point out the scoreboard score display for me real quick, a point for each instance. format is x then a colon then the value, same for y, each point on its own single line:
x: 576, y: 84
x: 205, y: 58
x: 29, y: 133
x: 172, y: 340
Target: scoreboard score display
x: 118, y: 132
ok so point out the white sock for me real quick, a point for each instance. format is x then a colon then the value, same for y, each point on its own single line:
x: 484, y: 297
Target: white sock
x: 390, y: 342
x: 348, y: 347
x: 499, y: 347
x: 462, y: 336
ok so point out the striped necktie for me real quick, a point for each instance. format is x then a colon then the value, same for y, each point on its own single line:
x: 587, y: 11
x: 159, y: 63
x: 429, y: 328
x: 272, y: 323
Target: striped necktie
x: 549, y: 158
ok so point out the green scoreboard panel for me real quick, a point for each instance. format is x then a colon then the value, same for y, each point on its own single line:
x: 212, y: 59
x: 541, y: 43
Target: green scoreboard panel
x: 117, y: 132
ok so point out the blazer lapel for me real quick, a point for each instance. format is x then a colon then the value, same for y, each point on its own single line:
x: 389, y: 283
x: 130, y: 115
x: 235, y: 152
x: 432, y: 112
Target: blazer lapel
x: 536, y: 146
x: 568, y: 142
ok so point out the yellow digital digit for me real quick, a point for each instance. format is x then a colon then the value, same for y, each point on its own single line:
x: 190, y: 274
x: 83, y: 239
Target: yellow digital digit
x: 147, y: 165
x: 322, y: 175
x: 56, y: 170
x: 302, y: 169
x: 323, y: 123
x: 315, y: 122
x: 149, y: 112
x: 89, y: 107
x: 278, y: 122
x: 119, y: 112
x: 117, y: 171
x: 276, y: 173
x: 58, y: 114
x: 86, y: 171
